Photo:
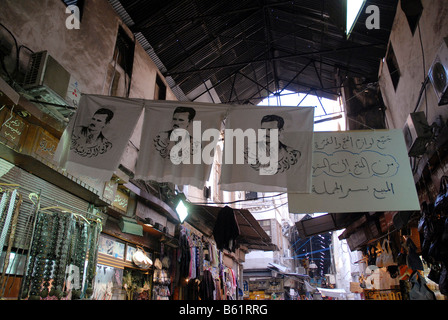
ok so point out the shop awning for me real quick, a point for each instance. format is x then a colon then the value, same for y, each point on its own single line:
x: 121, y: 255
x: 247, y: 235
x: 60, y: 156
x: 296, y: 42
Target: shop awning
x: 325, y: 223
x: 334, y: 293
x: 252, y: 235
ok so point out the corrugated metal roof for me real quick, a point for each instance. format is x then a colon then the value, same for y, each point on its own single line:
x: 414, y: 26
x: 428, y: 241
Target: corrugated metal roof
x: 249, y: 49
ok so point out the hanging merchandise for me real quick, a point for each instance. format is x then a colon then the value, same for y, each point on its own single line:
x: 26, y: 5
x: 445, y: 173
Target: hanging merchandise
x: 443, y: 280
x: 141, y: 259
x: 207, y: 286
x: 441, y: 202
x: 419, y: 289
x: 371, y: 259
x: 161, y: 282
x: 426, y: 215
x: 379, y: 258
x: 183, y: 254
x: 386, y: 258
x: 226, y: 229
x: 56, y: 267
x: 434, y: 273
x: 8, y: 217
x: 435, y: 237
x: 10, y: 220
x: 413, y: 260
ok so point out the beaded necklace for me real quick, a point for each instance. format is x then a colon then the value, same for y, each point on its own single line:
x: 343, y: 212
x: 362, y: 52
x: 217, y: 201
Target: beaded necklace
x: 60, y: 240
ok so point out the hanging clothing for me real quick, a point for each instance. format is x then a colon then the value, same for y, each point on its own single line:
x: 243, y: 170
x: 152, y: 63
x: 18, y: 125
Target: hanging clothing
x: 226, y: 229
x: 192, y: 292
x: 207, y: 286
x: 183, y: 256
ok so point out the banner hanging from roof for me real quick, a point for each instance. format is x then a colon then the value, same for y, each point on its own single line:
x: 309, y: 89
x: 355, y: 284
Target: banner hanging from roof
x: 96, y: 136
x: 265, y: 149
x: 277, y: 155
x: 358, y: 171
x: 178, y: 142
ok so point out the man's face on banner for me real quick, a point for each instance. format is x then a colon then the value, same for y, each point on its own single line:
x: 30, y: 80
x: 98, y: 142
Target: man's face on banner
x: 97, y: 123
x: 180, y: 120
x: 269, y: 125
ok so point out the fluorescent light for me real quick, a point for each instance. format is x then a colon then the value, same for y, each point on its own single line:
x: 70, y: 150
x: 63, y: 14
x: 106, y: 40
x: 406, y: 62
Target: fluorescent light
x: 182, y: 211
x: 148, y: 222
x: 353, y: 9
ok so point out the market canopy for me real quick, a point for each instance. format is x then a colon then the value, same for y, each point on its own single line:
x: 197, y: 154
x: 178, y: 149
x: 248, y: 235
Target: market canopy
x: 252, y: 235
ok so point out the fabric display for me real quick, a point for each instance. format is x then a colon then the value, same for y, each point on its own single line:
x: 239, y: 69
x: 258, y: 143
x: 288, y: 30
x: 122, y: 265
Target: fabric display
x: 419, y: 289
x: 207, y: 286
x: 161, y: 276
x: 226, y: 229
x: 207, y: 277
x: 290, y: 170
x: 441, y: 202
x: 230, y: 284
x: 386, y: 258
x: 94, y: 141
x: 172, y: 147
x: 106, y: 278
x: 433, y: 226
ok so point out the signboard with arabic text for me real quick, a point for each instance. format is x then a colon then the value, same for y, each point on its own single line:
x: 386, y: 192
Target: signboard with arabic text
x: 358, y: 171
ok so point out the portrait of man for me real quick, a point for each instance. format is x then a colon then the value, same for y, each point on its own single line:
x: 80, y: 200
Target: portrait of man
x: 89, y: 140
x: 181, y: 119
x: 287, y: 156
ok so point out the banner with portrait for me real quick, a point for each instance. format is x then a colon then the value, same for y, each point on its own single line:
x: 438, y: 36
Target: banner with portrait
x: 97, y: 135
x: 275, y: 158
x: 178, y: 141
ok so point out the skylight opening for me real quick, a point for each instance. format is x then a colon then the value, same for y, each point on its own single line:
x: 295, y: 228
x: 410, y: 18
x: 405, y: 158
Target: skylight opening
x: 354, y: 8
x: 326, y: 112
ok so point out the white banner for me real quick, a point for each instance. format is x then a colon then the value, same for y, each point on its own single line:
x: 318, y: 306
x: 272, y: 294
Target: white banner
x: 178, y: 141
x: 276, y: 154
x: 358, y: 171
x: 96, y: 136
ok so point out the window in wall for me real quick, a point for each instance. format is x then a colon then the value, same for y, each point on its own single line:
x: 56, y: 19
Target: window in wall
x: 250, y: 195
x: 266, y: 226
x: 160, y: 91
x: 78, y: 3
x: 392, y: 64
x: 413, y: 11
x: 122, y: 64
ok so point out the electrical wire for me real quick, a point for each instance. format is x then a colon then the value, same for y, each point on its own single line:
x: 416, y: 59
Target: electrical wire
x: 281, y: 205
x: 236, y: 201
x: 424, y: 65
x: 17, y: 51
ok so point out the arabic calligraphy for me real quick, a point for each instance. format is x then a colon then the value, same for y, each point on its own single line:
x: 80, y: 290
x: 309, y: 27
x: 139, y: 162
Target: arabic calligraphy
x: 47, y: 146
x: 354, y: 167
x: 341, y: 191
x: 348, y: 142
x: 362, y: 165
x: 12, y: 129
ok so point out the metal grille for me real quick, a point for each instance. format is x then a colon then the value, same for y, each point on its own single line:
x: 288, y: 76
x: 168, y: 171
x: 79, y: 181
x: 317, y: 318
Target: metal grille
x: 31, y: 78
